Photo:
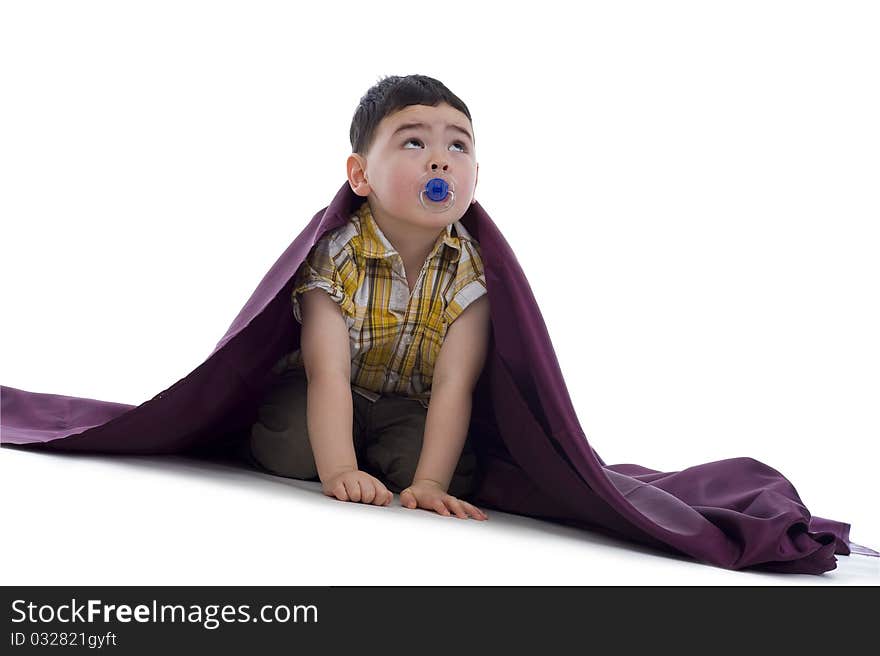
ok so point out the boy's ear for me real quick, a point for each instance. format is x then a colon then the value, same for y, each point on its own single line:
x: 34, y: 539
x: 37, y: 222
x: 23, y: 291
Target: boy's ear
x: 355, y: 166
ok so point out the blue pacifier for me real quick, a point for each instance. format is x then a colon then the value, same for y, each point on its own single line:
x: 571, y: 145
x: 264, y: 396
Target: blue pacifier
x: 437, y: 191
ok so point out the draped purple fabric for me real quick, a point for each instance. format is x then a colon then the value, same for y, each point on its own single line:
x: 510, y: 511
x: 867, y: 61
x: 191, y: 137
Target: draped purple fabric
x: 536, y: 461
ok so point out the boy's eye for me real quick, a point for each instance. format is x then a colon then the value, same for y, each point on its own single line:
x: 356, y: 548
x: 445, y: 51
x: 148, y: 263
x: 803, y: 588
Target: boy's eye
x: 413, y: 139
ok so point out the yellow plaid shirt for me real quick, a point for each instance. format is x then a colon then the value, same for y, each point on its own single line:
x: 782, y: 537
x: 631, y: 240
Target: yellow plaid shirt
x: 395, y: 336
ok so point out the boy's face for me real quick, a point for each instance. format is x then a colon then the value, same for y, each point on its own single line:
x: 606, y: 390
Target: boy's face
x: 399, y: 158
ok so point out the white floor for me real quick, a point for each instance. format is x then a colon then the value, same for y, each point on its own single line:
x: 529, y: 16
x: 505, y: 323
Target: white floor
x: 72, y: 519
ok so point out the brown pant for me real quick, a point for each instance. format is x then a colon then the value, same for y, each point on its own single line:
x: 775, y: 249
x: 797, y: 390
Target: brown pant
x: 387, y: 436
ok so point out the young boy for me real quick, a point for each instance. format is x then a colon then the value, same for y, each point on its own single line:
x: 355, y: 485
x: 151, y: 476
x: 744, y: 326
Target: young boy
x: 395, y: 319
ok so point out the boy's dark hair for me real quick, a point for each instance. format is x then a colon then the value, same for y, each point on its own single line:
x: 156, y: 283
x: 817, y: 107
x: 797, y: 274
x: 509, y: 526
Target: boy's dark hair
x: 391, y: 94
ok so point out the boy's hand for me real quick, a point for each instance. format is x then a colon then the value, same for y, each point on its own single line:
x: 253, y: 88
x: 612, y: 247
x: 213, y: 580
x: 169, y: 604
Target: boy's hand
x: 357, y: 486
x: 430, y: 496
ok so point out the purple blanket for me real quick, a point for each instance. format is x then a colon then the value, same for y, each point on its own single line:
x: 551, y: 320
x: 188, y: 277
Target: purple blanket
x: 535, y: 459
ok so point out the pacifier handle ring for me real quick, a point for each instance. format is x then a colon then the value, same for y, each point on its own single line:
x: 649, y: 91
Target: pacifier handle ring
x: 450, y: 195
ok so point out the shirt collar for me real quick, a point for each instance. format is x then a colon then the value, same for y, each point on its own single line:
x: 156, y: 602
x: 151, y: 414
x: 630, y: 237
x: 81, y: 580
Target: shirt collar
x: 376, y: 244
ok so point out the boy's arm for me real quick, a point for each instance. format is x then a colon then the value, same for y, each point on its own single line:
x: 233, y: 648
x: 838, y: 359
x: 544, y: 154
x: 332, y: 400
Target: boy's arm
x: 456, y: 372
x: 326, y: 354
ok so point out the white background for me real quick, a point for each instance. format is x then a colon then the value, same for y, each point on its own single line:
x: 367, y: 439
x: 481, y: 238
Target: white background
x: 690, y: 187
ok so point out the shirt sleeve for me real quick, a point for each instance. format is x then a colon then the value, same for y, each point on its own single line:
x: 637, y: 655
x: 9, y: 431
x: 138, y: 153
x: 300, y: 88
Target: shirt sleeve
x: 324, y: 268
x: 470, y: 282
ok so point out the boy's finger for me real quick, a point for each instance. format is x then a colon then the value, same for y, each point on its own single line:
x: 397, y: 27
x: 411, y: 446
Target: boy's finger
x: 353, y: 490
x: 476, y: 512
x: 457, y: 507
x: 409, y: 501
x: 368, y: 492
